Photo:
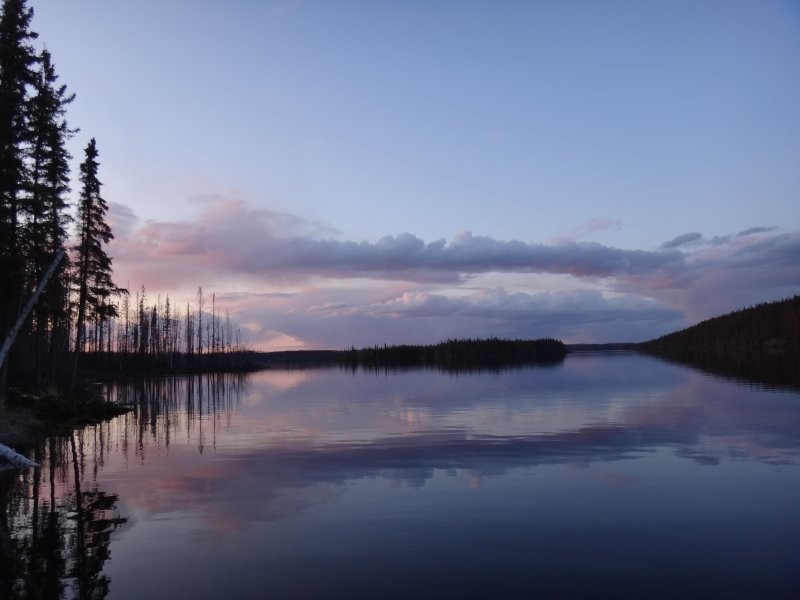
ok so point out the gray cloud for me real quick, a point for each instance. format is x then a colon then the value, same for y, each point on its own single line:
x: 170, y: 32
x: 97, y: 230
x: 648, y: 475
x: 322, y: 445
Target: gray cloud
x: 654, y: 291
x: 229, y: 236
x: 585, y: 306
x: 753, y: 230
x: 732, y: 273
x: 681, y: 240
x: 122, y: 219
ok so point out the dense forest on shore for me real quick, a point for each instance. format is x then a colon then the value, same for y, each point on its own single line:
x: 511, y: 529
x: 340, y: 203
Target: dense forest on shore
x: 457, y: 354
x: 767, y: 326
x: 760, y: 344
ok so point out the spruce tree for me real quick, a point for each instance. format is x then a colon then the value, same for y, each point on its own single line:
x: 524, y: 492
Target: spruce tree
x: 17, y: 75
x: 93, y: 266
x: 45, y: 230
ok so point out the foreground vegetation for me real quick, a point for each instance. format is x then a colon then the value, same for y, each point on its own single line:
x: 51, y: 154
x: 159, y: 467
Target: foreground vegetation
x: 35, y: 216
x: 63, y: 320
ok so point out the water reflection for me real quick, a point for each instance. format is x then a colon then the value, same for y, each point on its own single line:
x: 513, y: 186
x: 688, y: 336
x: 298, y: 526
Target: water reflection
x: 56, y: 526
x: 56, y: 522
x: 777, y: 368
x: 212, y: 474
x: 195, y: 407
x: 303, y: 442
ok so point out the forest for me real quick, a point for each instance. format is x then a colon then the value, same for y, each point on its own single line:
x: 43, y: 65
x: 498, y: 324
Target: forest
x: 770, y: 325
x: 760, y: 344
x: 62, y: 316
x: 457, y: 354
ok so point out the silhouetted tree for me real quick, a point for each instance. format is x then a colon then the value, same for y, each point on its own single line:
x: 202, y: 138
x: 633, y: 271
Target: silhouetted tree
x: 200, y: 305
x: 17, y: 74
x: 93, y: 274
x: 45, y: 230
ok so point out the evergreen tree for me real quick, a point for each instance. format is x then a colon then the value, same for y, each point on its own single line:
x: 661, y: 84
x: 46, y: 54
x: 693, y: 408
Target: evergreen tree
x: 17, y: 62
x: 45, y: 230
x: 93, y: 265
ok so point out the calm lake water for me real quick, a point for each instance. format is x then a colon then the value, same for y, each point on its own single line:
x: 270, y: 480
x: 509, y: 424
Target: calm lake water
x: 610, y: 475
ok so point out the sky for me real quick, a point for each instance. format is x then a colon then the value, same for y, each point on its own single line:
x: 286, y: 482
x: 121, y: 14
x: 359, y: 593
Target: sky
x: 365, y: 172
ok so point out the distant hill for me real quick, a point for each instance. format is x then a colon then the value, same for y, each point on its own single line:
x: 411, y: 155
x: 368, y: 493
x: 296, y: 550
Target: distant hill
x: 771, y: 326
x: 759, y: 345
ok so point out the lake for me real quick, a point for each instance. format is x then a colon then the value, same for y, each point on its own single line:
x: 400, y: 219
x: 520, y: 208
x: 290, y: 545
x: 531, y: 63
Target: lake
x: 609, y: 475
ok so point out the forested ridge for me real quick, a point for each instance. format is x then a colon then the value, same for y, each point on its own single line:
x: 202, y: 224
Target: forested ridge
x: 770, y: 325
x: 760, y: 344
x: 82, y: 322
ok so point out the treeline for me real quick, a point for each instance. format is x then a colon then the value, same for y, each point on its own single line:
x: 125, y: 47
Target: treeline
x: 760, y: 344
x: 457, y: 354
x: 54, y: 247
x: 767, y: 326
x: 161, y: 337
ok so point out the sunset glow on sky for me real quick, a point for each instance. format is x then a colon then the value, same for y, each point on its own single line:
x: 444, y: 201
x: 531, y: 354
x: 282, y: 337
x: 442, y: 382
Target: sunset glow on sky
x: 352, y: 173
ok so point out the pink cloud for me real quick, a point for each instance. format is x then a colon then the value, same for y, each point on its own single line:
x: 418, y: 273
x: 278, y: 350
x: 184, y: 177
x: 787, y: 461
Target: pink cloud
x: 229, y: 236
x: 295, y: 283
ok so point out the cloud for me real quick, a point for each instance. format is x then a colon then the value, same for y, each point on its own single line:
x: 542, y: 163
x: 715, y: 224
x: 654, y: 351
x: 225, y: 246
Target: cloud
x: 729, y: 273
x: 591, y: 226
x: 357, y: 318
x: 696, y: 238
x: 578, y: 306
x: 753, y: 230
x: 122, y: 219
x: 300, y: 282
x: 682, y: 240
x: 231, y: 237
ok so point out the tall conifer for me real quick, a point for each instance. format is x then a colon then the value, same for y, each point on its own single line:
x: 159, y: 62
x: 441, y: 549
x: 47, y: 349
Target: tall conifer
x: 93, y: 266
x: 17, y: 63
x: 45, y: 230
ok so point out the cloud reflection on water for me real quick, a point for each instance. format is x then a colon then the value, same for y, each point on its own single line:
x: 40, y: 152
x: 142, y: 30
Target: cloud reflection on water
x: 302, y: 443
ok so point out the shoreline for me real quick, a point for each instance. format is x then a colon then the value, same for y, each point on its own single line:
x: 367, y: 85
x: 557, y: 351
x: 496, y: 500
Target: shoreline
x: 26, y: 420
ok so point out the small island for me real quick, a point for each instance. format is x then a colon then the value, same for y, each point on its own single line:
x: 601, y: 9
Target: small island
x: 462, y: 354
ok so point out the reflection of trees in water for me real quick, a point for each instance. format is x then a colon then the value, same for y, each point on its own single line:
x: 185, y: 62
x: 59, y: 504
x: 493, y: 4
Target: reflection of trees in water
x: 452, y: 369
x: 56, y: 526
x: 194, y: 406
x: 56, y: 522
x: 775, y: 369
